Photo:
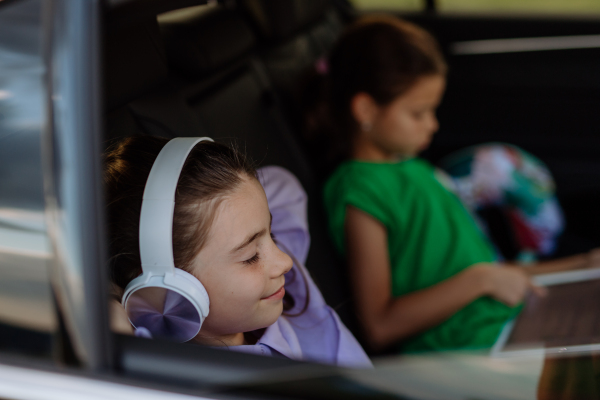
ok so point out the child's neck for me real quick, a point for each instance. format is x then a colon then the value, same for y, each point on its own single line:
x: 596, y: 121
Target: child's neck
x: 365, y: 150
x: 235, y: 339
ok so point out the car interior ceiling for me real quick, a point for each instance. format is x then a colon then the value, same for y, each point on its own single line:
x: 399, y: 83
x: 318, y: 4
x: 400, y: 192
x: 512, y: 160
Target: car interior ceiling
x: 230, y: 70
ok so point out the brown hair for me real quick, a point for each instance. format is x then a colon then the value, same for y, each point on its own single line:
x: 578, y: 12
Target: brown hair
x: 211, y: 172
x: 380, y: 55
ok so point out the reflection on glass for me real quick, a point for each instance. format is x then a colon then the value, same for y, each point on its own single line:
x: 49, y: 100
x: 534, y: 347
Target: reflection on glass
x: 164, y: 313
x: 575, y: 377
x: 460, y: 375
x: 583, y: 7
x: 408, y: 5
x: 26, y: 312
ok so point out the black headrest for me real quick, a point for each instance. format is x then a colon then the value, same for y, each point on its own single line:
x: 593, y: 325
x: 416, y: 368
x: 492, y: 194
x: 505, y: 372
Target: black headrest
x: 278, y: 19
x: 199, y: 41
x: 135, y: 62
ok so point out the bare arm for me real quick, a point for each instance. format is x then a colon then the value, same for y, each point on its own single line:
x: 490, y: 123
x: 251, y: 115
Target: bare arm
x: 387, y: 319
x: 119, y: 322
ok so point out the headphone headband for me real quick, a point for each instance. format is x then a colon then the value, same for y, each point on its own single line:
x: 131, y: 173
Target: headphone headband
x: 158, y: 204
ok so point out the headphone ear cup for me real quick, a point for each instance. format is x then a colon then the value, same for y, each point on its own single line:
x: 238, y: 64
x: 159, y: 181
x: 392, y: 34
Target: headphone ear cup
x: 171, y: 306
x: 199, y: 294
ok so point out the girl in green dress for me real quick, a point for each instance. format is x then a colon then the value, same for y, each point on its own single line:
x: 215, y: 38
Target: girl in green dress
x: 424, y: 274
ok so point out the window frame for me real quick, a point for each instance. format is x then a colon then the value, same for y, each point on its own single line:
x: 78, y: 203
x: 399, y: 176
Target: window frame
x: 72, y: 178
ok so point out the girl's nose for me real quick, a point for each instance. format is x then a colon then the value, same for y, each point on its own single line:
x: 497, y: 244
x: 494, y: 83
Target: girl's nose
x: 282, y: 263
x: 434, y: 123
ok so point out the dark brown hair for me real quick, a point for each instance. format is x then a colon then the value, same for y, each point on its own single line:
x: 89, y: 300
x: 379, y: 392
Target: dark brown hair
x: 380, y: 55
x: 211, y: 172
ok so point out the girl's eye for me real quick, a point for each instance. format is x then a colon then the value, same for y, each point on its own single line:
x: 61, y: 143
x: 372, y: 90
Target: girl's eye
x: 252, y: 260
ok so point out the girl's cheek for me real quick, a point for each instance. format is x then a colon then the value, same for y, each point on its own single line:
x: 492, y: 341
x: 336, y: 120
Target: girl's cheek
x: 251, y: 280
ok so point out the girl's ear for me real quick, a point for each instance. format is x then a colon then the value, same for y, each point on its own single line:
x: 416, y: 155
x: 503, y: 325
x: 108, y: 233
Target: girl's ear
x: 364, y: 108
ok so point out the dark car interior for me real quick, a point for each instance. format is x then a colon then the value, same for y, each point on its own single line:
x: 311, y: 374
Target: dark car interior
x: 230, y: 70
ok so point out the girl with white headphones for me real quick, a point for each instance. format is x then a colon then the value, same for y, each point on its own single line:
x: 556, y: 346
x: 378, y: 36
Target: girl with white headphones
x: 196, y: 256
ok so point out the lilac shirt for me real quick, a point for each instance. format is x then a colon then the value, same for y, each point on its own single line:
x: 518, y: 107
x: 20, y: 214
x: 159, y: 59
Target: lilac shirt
x: 318, y: 334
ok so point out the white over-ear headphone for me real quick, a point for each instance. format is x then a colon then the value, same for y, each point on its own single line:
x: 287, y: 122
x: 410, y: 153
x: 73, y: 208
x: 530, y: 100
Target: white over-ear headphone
x: 167, y: 301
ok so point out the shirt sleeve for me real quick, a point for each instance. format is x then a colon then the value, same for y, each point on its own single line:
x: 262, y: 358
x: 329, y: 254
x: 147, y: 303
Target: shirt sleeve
x: 314, y: 332
x: 364, y: 190
x: 288, y: 205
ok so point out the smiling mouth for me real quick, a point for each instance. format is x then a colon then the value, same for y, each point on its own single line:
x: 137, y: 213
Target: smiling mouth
x: 278, y: 295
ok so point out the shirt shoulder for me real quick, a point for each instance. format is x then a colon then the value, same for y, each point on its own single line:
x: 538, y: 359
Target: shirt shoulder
x: 367, y: 187
x: 359, y: 182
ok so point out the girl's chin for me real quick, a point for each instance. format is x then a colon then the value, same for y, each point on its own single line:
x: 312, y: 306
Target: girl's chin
x: 424, y: 146
x: 264, y: 318
x: 277, y: 313
x: 270, y: 317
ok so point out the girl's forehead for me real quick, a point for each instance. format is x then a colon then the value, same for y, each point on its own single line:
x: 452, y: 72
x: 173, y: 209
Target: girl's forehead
x: 426, y: 89
x: 426, y: 85
x: 244, y: 210
x: 238, y: 217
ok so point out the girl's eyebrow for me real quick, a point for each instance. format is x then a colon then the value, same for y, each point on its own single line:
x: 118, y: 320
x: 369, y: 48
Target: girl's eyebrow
x: 251, y: 238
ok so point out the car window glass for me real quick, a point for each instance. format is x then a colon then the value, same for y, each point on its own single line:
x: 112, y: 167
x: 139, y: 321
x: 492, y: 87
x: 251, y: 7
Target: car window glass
x: 456, y: 374
x: 26, y: 314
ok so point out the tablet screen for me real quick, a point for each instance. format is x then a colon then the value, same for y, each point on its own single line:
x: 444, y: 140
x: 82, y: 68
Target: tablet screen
x: 569, y: 315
